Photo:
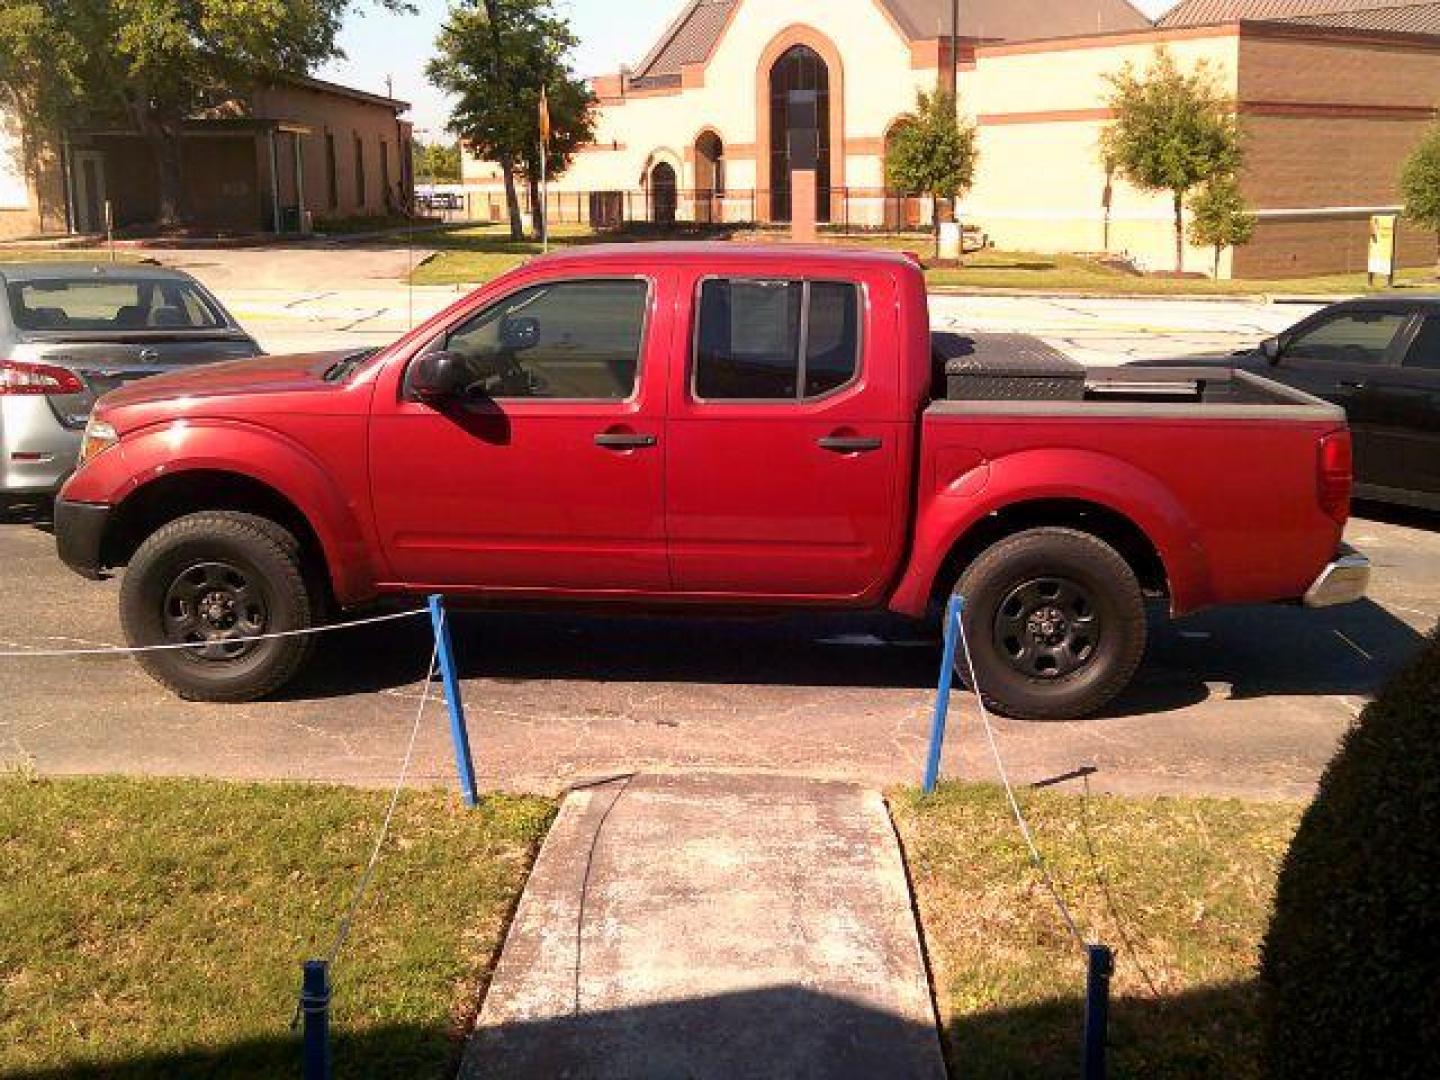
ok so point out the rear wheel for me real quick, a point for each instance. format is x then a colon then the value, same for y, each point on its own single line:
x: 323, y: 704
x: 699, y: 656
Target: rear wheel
x: 1055, y: 621
x: 212, y: 580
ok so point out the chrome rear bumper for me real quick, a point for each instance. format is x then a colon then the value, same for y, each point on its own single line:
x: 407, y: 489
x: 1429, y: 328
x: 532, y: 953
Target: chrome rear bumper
x: 1344, y: 581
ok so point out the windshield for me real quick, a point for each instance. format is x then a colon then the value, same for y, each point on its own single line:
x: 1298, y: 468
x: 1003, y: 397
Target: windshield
x: 112, y: 304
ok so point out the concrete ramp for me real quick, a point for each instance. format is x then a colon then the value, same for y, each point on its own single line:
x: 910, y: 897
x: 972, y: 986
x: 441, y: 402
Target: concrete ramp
x: 713, y: 927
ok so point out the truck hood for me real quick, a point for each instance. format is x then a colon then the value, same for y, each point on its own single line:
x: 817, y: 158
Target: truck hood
x: 263, y: 375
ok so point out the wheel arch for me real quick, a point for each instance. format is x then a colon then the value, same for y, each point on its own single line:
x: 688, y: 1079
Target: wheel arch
x: 172, y: 496
x: 1103, y: 522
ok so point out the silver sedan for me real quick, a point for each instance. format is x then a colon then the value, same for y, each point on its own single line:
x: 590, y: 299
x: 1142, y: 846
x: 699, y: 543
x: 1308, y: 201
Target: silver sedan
x: 71, y: 332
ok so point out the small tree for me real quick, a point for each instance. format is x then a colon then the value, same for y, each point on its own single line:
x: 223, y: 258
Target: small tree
x: 1219, y: 217
x: 437, y: 163
x: 1172, y: 132
x: 933, y: 152
x: 494, y: 57
x: 1420, y: 185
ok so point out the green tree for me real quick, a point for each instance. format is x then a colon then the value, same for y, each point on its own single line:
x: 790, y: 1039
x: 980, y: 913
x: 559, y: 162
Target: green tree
x: 494, y: 58
x: 1172, y: 132
x: 1420, y: 185
x: 436, y: 163
x: 1219, y: 217
x: 933, y: 152
x: 151, y: 65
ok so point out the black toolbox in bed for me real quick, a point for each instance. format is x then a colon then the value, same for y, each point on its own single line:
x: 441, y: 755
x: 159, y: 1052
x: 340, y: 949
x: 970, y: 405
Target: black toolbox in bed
x: 1004, y: 367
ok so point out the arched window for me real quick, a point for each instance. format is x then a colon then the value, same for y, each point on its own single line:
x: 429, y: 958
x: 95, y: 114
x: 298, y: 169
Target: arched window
x: 801, y: 68
x: 664, y: 194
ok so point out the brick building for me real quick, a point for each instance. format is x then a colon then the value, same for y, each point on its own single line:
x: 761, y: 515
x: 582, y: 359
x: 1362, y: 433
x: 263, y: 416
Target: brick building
x: 296, y: 150
x: 1332, y: 95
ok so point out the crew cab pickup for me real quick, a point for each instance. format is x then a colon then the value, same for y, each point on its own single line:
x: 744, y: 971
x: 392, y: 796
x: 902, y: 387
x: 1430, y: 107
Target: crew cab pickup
x: 702, y: 428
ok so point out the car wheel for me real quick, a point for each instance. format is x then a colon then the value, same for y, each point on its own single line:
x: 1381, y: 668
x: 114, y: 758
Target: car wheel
x: 1055, y: 621
x: 211, y: 580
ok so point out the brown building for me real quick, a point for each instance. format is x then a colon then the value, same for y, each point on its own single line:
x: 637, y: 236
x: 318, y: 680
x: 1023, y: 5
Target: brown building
x: 297, y: 151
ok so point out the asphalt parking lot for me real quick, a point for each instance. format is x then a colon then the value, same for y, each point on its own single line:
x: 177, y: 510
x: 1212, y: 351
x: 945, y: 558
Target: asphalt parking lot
x: 1246, y: 702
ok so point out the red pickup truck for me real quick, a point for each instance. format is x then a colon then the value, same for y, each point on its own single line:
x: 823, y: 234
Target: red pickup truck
x: 701, y: 428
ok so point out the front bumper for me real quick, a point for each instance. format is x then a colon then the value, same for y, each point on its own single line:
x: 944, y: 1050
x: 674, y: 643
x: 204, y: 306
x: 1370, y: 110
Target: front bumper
x: 1344, y: 581
x: 80, y: 535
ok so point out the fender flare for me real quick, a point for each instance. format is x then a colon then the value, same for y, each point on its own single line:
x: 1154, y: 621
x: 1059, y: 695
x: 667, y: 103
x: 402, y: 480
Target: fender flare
x: 265, y: 457
x: 954, y: 506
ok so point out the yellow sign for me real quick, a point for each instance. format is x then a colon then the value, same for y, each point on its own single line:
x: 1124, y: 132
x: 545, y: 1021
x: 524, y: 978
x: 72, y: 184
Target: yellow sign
x: 1382, y: 246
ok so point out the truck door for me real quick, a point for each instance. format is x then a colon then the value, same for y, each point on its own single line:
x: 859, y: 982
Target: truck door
x: 547, y: 477
x: 785, y: 444
x: 1340, y: 355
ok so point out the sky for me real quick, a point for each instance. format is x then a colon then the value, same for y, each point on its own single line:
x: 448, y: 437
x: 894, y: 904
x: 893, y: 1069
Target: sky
x: 378, y: 44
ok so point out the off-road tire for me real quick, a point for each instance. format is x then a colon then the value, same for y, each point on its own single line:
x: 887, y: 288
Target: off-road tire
x: 269, y: 558
x: 1098, y: 571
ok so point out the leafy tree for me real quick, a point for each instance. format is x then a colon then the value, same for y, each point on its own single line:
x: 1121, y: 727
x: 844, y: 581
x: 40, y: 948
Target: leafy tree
x: 437, y: 163
x: 494, y: 58
x: 1172, y: 132
x: 933, y: 152
x: 1219, y: 217
x: 153, y: 64
x: 1420, y: 184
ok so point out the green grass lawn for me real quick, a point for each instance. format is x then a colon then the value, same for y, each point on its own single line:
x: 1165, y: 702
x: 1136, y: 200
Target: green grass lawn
x: 98, y: 256
x: 156, y: 928
x: 1192, y: 880
x: 475, y: 255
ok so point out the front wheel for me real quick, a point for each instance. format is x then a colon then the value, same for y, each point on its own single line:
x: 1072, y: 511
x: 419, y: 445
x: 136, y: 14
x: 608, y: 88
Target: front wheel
x: 1055, y: 621
x: 212, y: 581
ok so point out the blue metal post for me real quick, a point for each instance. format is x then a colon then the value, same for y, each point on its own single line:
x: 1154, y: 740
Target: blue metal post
x: 459, y: 733
x: 315, y: 1007
x: 953, y: 612
x: 1097, y: 1009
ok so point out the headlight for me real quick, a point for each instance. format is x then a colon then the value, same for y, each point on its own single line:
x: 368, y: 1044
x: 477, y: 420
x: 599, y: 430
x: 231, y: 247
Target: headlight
x: 99, y: 437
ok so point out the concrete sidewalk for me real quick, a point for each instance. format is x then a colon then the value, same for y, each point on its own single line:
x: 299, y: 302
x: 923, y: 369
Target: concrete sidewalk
x: 713, y: 927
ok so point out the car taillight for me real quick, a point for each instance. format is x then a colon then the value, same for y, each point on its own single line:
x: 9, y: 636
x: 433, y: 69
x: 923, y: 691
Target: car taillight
x: 18, y: 377
x: 1337, y: 475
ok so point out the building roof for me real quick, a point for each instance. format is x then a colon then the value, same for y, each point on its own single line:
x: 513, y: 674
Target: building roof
x: 1393, y: 16
x: 692, y: 37
x: 1016, y: 20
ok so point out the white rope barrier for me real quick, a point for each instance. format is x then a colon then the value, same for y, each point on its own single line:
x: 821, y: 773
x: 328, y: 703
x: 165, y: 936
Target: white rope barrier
x: 120, y: 650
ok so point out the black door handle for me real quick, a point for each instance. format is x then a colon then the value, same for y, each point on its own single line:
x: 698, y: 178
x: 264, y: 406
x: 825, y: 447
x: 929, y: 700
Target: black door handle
x: 1351, y: 384
x: 616, y: 441
x: 839, y: 444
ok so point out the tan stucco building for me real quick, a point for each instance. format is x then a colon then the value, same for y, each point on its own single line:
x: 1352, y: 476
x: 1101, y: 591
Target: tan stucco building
x: 1332, y: 95
x: 271, y: 160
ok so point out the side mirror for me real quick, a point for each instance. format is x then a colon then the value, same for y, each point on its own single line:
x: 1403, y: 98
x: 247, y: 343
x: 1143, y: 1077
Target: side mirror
x: 520, y: 334
x: 438, y: 376
x: 1270, y: 349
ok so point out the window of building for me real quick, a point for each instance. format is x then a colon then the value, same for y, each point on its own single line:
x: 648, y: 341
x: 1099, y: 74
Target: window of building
x: 569, y: 341
x: 1425, y: 352
x: 332, y: 172
x: 1352, y: 337
x: 361, y: 197
x: 385, y: 171
x: 776, y: 340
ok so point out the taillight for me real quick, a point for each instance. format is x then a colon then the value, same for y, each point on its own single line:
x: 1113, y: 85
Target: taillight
x: 1337, y: 475
x: 18, y: 377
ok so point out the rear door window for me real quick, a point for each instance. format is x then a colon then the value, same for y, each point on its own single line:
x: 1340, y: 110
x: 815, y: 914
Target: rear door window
x: 109, y: 304
x: 1352, y: 337
x: 775, y: 340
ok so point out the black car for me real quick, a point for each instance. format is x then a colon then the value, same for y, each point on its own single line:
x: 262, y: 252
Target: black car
x: 1379, y: 358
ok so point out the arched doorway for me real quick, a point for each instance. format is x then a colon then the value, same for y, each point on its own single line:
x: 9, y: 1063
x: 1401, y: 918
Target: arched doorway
x: 799, y: 68
x: 664, y: 194
x: 709, y: 177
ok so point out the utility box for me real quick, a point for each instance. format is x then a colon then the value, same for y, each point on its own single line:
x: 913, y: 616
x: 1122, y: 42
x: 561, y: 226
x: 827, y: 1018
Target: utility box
x: 1005, y: 367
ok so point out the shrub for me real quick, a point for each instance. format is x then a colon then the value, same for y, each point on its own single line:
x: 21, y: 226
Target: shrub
x: 1350, y: 967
